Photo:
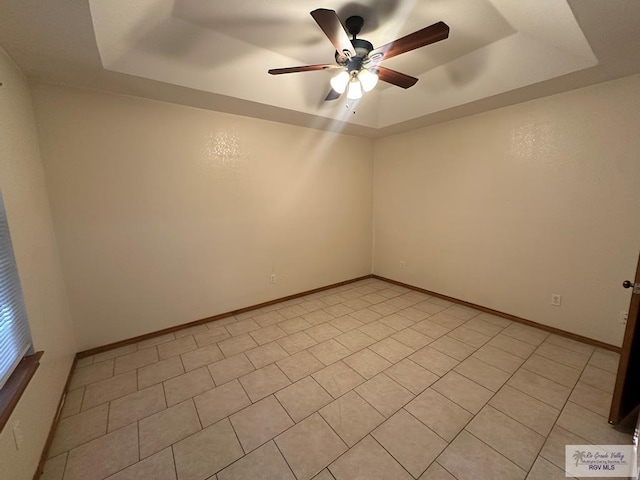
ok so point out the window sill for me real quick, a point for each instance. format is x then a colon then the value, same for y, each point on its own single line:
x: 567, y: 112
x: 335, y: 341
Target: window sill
x: 16, y: 385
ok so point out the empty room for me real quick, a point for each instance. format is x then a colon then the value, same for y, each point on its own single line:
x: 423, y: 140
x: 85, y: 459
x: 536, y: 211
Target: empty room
x: 319, y: 240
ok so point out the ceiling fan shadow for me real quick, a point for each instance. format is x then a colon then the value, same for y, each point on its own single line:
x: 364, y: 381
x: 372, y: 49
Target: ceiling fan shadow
x: 176, y: 40
x: 314, y: 87
x: 376, y: 13
x: 321, y: 101
x: 282, y: 31
x: 464, y: 73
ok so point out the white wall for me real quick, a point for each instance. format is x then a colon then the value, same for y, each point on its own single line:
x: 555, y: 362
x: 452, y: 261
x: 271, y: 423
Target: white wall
x: 166, y: 214
x: 23, y: 188
x: 504, y: 208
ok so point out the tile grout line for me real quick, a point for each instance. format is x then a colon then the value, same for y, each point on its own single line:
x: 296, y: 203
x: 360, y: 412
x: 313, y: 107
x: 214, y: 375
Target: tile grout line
x: 228, y: 418
x: 284, y: 458
x: 113, y: 358
x: 568, y: 400
x: 273, y: 393
x: 322, y: 418
x: 108, y: 416
x: 392, y: 364
x: 180, y: 356
x: 325, y: 390
x: 175, y: 463
x: 540, y: 454
x: 559, y: 361
x: 442, y: 466
x: 195, y: 407
x: 370, y: 434
x: 595, y: 386
x: 64, y: 468
x: 526, y: 471
x: 473, y: 415
x: 436, y: 433
x: 138, y: 436
x: 555, y: 423
x: 525, y: 393
x: 244, y: 390
x: 464, y: 429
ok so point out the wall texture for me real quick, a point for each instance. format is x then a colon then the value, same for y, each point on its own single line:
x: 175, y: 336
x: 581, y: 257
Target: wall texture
x: 167, y: 214
x: 505, y: 208
x: 23, y: 188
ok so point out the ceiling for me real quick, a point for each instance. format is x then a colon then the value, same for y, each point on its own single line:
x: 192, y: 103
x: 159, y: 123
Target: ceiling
x: 215, y: 54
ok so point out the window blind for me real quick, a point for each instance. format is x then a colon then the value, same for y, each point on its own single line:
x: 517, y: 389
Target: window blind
x: 15, y: 337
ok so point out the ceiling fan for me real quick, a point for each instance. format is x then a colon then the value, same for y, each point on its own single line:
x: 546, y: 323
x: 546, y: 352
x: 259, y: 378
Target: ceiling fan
x: 358, y: 61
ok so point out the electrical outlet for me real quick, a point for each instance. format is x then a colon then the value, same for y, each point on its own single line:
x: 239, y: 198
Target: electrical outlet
x: 622, y: 319
x: 402, y: 264
x: 272, y: 278
x: 556, y: 300
x: 18, y: 437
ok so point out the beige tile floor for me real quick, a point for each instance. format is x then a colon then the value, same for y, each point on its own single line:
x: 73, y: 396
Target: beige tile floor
x: 365, y: 381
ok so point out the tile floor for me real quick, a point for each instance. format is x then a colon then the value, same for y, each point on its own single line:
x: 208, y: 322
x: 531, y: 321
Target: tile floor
x: 365, y: 381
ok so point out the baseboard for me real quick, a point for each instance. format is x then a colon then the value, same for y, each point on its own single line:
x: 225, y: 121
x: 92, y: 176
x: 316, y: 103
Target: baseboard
x: 129, y: 341
x: 121, y: 343
x: 103, y: 348
x: 563, y: 333
x: 513, y: 318
x: 54, y: 423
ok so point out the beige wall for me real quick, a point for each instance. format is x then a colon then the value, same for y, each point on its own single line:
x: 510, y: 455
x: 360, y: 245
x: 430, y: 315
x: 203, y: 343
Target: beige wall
x: 505, y: 208
x: 23, y: 188
x: 166, y: 214
x: 500, y: 209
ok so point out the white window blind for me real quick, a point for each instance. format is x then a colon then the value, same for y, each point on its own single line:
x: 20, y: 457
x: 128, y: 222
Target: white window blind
x: 15, y: 338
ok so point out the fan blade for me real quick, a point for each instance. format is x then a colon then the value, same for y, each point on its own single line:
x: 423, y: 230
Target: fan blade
x: 332, y: 95
x: 395, y: 78
x: 426, y: 36
x: 304, y: 68
x: 330, y: 24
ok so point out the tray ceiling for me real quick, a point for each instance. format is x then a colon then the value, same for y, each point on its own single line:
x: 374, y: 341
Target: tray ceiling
x: 216, y: 54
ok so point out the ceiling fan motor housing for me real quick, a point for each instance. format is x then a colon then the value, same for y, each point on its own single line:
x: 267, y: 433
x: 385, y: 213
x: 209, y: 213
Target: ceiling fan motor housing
x: 362, y: 48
